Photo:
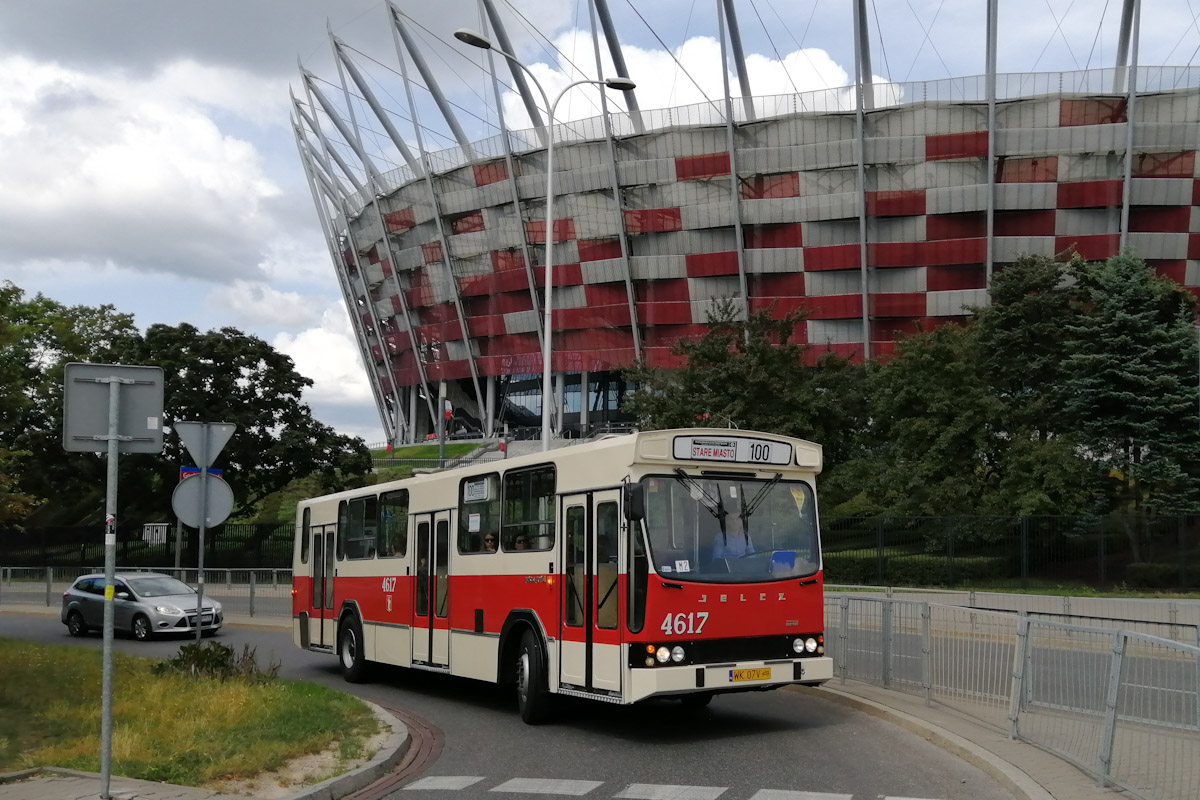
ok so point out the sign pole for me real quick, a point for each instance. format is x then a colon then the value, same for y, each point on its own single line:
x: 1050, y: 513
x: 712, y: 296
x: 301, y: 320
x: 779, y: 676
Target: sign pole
x: 110, y: 570
x: 203, y: 460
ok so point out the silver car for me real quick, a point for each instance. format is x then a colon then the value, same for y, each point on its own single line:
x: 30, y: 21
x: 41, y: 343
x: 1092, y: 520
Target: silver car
x: 144, y: 603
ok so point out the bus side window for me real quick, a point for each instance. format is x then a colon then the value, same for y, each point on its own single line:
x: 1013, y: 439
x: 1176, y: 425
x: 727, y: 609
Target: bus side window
x: 356, y: 539
x: 343, y: 526
x: 606, y: 565
x: 305, y: 524
x: 478, y: 512
x: 393, y: 524
x: 529, y: 508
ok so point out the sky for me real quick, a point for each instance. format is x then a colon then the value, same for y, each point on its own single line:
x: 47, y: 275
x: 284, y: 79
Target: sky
x: 147, y: 158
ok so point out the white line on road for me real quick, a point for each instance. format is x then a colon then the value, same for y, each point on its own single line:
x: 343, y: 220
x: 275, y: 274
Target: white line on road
x: 547, y: 786
x: 657, y: 791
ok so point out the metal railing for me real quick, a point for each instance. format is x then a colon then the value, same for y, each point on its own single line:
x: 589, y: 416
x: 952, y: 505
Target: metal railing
x: 1121, y: 705
x: 243, y: 592
x: 964, y: 89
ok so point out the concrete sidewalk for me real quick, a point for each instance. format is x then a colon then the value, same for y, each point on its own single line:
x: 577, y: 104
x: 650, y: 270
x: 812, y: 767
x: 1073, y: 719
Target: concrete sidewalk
x: 1027, y: 771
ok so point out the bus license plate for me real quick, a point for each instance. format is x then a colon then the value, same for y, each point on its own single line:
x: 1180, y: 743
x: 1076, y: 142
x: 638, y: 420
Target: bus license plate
x: 760, y: 674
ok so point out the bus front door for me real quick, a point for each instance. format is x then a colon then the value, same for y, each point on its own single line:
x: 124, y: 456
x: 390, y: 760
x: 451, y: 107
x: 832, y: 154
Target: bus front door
x: 431, y: 595
x: 591, y: 602
x: 322, y: 623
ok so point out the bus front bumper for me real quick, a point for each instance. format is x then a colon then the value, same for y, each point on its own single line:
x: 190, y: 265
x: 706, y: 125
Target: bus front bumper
x: 745, y: 676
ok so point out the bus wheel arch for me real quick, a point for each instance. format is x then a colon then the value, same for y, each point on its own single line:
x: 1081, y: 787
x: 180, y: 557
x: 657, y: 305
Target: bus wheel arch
x: 518, y: 622
x: 351, y: 648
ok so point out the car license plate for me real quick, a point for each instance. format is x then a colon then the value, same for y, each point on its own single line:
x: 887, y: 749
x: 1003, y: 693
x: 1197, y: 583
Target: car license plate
x: 759, y: 674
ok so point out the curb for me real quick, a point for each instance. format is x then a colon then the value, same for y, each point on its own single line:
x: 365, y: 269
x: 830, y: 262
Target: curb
x: 339, y: 786
x: 1010, y: 776
x: 386, y: 760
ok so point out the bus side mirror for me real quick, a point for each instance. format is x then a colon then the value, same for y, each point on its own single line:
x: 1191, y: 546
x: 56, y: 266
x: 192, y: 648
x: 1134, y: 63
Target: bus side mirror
x: 634, y: 495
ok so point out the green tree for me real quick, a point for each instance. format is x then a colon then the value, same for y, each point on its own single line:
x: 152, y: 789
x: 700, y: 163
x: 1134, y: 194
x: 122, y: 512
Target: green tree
x: 1129, y: 387
x: 218, y: 376
x: 745, y: 373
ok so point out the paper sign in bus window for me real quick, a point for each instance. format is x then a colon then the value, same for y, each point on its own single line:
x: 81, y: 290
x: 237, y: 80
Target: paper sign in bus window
x: 473, y: 523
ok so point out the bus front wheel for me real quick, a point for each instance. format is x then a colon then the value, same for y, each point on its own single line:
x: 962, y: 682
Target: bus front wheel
x: 533, y: 698
x: 350, y: 651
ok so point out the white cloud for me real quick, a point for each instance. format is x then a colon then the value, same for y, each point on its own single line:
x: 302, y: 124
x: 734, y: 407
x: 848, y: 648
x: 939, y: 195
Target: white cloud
x: 329, y: 356
x: 106, y: 167
x: 258, y: 304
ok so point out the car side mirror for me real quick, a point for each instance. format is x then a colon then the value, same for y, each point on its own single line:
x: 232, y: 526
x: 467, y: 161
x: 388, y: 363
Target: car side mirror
x: 122, y: 595
x: 634, y: 495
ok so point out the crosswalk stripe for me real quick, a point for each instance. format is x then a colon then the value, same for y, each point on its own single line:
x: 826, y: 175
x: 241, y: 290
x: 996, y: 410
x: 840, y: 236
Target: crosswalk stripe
x: 444, y: 782
x: 890, y: 797
x: 784, y: 794
x: 658, y: 791
x: 547, y: 786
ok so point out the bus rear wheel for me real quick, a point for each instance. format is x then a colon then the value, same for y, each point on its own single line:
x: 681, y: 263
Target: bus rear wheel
x: 533, y: 698
x: 350, y: 651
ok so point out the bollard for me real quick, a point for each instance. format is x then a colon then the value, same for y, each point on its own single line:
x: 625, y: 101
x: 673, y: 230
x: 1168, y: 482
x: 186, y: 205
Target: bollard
x: 252, y: 581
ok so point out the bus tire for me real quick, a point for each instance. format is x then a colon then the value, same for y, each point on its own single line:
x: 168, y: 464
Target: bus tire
x: 698, y: 700
x: 351, y: 655
x: 533, y: 697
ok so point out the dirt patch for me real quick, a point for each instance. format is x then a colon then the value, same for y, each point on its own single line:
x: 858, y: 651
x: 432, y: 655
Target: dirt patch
x: 300, y: 772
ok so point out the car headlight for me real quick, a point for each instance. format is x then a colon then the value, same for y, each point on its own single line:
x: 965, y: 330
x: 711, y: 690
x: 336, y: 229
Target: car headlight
x: 663, y: 655
x: 810, y: 644
x: 216, y: 607
x: 677, y: 654
x: 172, y: 610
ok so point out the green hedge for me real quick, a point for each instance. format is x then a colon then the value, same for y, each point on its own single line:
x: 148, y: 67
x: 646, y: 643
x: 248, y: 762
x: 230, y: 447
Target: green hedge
x: 1140, y: 575
x: 910, y: 570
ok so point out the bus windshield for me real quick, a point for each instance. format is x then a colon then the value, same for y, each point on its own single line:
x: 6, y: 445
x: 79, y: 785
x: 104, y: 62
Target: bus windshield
x: 730, y: 530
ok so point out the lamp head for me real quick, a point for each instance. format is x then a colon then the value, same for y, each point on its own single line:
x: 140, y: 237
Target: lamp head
x: 619, y: 83
x: 473, y: 38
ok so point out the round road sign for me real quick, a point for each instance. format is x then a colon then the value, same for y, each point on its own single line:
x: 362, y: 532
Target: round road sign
x: 189, y: 501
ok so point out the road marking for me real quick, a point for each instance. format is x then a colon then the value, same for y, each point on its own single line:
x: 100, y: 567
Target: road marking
x: 547, y: 786
x: 444, y: 782
x: 658, y: 791
x: 783, y: 794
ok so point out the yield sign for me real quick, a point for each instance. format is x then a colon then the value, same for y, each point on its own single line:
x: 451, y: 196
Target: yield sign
x: 204, y: 440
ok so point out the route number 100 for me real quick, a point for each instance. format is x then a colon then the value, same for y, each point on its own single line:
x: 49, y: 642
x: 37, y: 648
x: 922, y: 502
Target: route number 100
x: 681, y: 623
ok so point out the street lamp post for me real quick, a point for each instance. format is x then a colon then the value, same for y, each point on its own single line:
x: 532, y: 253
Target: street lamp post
x: 622, y: 84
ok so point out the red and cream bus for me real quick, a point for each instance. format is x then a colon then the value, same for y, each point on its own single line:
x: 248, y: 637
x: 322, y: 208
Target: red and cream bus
x: 662, y: 563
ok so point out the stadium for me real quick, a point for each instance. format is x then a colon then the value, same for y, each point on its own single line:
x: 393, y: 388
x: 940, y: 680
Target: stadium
x: 878, y: 209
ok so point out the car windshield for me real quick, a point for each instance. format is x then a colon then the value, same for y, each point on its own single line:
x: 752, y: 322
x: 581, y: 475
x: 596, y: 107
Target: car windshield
x: 159, y: 586
x: 730, y: 530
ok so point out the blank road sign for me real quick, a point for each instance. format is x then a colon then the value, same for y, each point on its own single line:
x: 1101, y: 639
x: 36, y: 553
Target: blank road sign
x: 85, y: 408
x: 188, y: 497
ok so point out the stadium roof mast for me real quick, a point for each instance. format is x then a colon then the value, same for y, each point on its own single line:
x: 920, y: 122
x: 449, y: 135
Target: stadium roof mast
x: 518, y: 76
x: 618, y: 56
x: 402, y: 43
x: 431, y: 83
x: 739, y: 60
x: 1123, y: 39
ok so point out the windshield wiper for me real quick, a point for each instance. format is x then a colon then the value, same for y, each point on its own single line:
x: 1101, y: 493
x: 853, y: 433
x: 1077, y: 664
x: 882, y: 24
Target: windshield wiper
x: 701, y: 495
x: 749, y: 508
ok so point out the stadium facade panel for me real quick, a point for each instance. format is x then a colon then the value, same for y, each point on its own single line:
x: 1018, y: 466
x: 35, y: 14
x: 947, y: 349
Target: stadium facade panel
x: 652, y: 230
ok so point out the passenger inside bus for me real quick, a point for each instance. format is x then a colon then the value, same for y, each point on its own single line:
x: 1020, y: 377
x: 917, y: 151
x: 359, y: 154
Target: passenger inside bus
x: 521, y: 542
x: 489, y: 543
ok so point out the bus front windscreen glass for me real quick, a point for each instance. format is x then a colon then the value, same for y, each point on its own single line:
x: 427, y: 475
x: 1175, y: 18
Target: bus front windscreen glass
x: 730, y: 530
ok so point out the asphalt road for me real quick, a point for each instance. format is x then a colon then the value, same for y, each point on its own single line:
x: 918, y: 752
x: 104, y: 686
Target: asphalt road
x: 764, y: 746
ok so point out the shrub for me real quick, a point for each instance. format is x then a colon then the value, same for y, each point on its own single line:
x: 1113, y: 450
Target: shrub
x: 1141, y: 575
x: 217, y: 661
x: 911, y: 570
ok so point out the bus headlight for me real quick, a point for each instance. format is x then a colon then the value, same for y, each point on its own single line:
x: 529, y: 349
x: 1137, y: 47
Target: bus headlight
x: 810, y: 644
x: 663, y: 655
x: 677, y: 654
x: 798, y: 645
x: 649, y: 661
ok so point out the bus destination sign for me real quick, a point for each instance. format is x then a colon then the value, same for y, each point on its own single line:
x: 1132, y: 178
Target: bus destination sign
x: 737, y: 449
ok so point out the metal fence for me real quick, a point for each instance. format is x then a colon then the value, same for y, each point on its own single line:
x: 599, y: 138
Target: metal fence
x: 1121, y: 705
x: 1159, y: 552
x: 242, y: 592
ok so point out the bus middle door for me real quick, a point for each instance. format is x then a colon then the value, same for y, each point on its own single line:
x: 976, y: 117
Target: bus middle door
x: 431, y: 596
x: 590, y: 637
x: 322, y: 622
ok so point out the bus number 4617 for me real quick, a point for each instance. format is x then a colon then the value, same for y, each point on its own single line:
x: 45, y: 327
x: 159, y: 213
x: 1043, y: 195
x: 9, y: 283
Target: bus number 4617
x: 681, y: 623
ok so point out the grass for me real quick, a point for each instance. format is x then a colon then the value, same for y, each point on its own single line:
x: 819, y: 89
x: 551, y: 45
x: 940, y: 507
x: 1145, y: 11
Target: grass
x: 172, y: 728
x: 453, y: 450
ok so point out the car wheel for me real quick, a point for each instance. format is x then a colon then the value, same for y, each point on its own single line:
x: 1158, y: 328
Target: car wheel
x: 533, y: 698
x: 209, y: 632
x: 75, y: 624
x: 699, y: 700
x: 350, y: 651
x: 141, y: 628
